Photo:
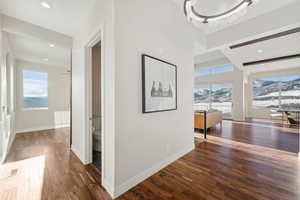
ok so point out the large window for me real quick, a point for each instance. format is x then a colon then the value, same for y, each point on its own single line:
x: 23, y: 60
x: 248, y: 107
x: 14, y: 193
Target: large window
x: 201, y: 98
x: 35, y: 90
x: 214, y: 97
x: 221, y: 99
x: 276, y: 92
x: 215, y: 70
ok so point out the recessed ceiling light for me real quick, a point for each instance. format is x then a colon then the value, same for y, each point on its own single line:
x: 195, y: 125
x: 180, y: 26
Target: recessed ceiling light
x: 52, y: 45
x: 45, y: 4
x: 46, y: 59
x: 259, y: 51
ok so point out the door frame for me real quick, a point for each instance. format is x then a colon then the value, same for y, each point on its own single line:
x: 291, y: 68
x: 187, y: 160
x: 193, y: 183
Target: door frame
x: 97, y: 37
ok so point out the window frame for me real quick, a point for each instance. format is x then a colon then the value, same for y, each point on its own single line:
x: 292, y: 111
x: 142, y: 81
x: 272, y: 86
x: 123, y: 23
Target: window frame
x: 22, y: 94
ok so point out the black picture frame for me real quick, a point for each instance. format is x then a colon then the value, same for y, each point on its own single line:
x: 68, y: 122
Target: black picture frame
x: 144, y: 110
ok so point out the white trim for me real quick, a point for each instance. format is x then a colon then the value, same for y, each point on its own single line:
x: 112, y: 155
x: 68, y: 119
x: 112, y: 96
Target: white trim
x: 62, y: 126
x: 78, y: 154
x: 124, y: 187
x: 43, y: 128
x: 97, y: 36
x: 109, y: 188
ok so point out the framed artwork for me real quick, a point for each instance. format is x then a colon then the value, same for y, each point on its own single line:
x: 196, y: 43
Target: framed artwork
x: 159, y: 85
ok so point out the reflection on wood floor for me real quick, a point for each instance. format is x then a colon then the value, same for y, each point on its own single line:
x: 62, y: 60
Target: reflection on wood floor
x: 64, y: 176
x: 272, y: 134
x: 217, y: 169
x: 22, y: 179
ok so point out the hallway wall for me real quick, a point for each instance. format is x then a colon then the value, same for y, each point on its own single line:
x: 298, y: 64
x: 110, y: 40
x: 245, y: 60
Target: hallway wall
x: 7, y: 119
x: 145, y: 143
x: 58, y: 113
x: 136, y: 145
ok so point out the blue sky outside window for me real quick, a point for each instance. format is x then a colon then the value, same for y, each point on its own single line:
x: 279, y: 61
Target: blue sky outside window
x: 203, y: 72
x: 283, y: 79
x: 216, y: 70
x: 223, y: 69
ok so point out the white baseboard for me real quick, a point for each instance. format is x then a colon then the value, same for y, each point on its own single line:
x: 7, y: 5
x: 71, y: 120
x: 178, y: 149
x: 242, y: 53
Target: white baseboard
x: 62, y: 126
x: 108, y: 187
x: 41, y: 128
x: 124, y: 187
x: 77, y: 153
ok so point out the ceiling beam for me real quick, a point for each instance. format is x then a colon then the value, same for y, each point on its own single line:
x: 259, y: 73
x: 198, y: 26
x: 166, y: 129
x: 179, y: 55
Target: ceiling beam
x: 269, y: 37
x: 270, y: 60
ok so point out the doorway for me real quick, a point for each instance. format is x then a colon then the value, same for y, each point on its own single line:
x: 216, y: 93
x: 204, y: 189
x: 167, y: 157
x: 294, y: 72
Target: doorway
x: 96, y: 103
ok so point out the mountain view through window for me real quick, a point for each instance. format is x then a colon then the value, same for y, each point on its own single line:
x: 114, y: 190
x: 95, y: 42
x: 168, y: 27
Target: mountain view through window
x: 216, y: 98
x: 282, y: 92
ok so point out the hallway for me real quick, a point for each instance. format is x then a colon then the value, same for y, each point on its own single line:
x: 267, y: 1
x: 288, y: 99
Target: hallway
x: 216, y: 169
x: 65, y: 177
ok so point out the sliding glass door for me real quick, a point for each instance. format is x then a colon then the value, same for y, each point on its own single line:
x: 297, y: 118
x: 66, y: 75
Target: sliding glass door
x: 279, y: 92
x: 221, y: 98
x: 202, y: 98
x: 214, y: 97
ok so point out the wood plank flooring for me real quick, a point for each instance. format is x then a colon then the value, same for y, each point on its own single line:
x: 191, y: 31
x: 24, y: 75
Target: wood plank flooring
x: 218, y: 169
x: 259, y: 132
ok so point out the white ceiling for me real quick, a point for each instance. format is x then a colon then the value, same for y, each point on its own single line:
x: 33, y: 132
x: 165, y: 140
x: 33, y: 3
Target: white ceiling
x: 209, y: 56
x: 37, y: 51
x: 283, y: 46
x: 64, y: 17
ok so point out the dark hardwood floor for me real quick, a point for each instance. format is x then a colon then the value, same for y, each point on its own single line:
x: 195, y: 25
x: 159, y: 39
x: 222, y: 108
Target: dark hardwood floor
x: 218, y: 169
x: 259, y: 132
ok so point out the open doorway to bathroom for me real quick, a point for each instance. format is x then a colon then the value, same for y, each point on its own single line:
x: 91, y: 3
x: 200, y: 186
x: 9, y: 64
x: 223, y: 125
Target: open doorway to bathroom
x: 96, y: 105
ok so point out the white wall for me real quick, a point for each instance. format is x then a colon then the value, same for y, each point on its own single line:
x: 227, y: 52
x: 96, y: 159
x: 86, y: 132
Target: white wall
x: 136, y: 145
x: 145, y: 142
x: 58, y: 113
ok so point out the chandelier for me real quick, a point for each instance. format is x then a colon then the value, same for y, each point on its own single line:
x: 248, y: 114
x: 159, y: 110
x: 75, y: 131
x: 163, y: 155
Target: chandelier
x: 191, y: 13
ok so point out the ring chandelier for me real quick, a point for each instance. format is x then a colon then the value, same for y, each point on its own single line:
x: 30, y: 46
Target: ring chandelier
x: 191, y: 13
